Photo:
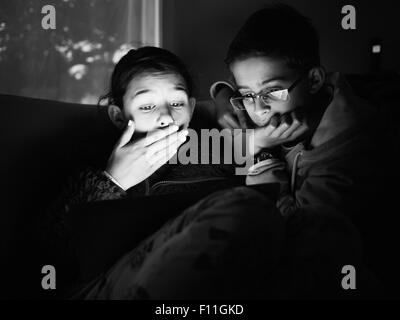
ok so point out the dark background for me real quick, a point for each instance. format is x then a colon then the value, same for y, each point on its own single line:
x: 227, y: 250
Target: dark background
x: 200, y: 32
x: 42, y: 141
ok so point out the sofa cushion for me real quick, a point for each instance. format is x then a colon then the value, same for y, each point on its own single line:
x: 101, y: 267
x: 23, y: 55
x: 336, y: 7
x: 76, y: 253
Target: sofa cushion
x: 42, y: 142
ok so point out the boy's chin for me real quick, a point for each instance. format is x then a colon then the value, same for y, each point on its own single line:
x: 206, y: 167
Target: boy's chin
x: 260, y: 122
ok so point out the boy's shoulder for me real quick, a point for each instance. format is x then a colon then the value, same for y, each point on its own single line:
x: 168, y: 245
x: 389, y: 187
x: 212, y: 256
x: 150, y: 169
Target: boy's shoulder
x: 347, y: 112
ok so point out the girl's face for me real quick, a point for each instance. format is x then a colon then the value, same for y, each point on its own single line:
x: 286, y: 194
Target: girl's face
x: 154, y: 101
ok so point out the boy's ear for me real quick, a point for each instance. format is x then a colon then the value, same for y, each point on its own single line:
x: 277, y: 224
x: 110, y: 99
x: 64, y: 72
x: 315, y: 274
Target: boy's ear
x: 116, y: 116
x: 192, y: 104
x: 316, y: 79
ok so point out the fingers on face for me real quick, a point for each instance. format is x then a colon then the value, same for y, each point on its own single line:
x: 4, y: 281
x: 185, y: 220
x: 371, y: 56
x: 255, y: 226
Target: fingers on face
x: 288, y: 126
x: 230, y: 119
x: 295, y: 124
x: 272, y: 126
x: 166, y: 147
x: 302, y: 128
x: 127, y: 134
x: 162, y: 156
x: 284, y: 124
x: 159, y: 134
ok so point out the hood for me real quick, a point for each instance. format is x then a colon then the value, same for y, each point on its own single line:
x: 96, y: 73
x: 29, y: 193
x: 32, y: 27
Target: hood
x: 345, y: 111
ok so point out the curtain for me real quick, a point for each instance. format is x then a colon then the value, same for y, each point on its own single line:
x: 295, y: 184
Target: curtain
x: 74, y: 61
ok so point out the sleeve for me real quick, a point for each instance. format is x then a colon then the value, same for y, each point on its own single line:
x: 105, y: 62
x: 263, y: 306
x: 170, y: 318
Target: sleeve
x: 320, y: 242
x: 216, y: 86
x: 53, y: 232
x: 321, y: 237
x: 322, y: 234
x: 91, y: 185
x: 336, y: 184
x: 87, y: 185
x: 272, y: 170
x: 323, y: 186
x: 224, y: 106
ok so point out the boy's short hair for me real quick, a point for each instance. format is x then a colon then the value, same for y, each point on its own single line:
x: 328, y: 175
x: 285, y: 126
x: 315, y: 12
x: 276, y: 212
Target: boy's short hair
x: 278, y: 31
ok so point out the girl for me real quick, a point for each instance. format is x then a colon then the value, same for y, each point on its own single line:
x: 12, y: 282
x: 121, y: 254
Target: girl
x: 151, y: 102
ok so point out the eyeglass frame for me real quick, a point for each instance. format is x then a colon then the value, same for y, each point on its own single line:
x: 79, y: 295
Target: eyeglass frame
x: 260, y: 95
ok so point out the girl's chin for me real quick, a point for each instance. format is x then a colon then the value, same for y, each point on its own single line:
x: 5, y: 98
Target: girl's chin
x: 183, y: 126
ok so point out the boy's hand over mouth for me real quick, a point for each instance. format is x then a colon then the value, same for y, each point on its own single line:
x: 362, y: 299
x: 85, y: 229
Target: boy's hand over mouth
x: 279, y: 130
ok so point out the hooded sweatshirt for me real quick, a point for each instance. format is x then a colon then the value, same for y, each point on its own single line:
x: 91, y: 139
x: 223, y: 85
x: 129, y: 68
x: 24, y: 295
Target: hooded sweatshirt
x: 337, y: 163
x: 327, y: 185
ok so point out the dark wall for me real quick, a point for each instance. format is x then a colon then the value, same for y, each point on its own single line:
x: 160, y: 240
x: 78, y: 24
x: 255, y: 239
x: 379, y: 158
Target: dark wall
x: 199, y: 31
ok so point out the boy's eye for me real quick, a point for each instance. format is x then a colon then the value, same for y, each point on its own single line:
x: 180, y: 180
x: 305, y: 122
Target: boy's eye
x: 280, y: 94
x: 270, y: 90
x: 274, y: 89
x: 148, y: 107
x: 248, y: 96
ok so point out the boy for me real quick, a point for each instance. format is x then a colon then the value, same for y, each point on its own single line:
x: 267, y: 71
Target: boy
x: 308, y: 119
x: 310, y: 136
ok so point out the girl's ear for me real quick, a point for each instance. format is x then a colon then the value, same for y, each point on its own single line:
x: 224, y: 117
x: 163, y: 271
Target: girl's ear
x: 316, y: 79
x: 116, y: 116
x: 192, y: 104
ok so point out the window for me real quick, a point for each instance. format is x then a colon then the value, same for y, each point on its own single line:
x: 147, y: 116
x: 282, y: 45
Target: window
x: 73, y: 62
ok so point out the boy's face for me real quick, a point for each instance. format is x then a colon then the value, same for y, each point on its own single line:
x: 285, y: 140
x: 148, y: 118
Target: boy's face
x: 255, y: 75
x: 154, y: 101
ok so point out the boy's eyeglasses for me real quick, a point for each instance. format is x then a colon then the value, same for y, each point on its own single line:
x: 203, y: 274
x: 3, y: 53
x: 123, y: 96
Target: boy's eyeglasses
x: 277, y: 96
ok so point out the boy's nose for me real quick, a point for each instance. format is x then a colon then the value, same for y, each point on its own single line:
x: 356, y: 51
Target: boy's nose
x: 260, y: 107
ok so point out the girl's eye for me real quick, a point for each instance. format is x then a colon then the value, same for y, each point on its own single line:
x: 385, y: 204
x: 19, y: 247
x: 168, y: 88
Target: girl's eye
x: 148, y: 108
x: 177, y: 105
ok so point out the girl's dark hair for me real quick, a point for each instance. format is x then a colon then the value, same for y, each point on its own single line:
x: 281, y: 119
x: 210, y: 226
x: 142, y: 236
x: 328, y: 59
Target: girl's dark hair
x: 278, y: 31
x: 144, y: 60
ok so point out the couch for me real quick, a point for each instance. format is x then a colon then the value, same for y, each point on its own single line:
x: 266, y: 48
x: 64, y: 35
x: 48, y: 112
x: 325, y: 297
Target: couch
x: 43, y: 141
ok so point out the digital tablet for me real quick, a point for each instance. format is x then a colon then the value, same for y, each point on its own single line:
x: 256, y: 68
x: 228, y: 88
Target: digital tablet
x: 103, y: 231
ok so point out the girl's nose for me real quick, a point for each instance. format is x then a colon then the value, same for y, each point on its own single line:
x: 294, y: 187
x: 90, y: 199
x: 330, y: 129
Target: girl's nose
x: 165, y: 123
x: 165, y: 118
